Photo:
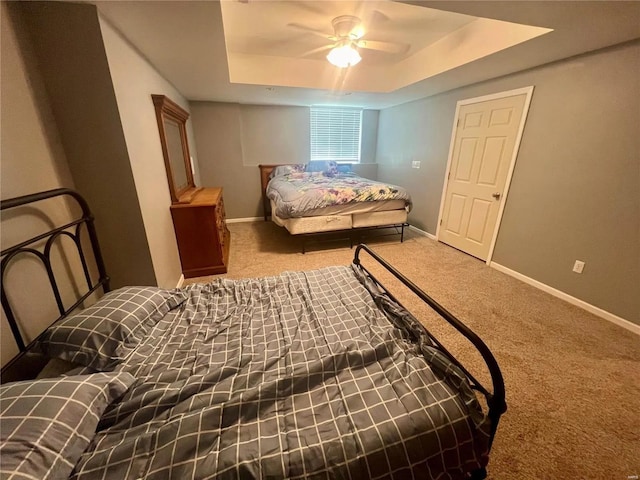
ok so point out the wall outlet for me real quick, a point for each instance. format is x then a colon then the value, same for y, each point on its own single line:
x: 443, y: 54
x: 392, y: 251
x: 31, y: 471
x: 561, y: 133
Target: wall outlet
x: 415, y: 164
x: 578, y: 266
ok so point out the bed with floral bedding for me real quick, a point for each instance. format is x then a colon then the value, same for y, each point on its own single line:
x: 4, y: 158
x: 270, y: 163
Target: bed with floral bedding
x: 300, y: 193
x: 307, y: 198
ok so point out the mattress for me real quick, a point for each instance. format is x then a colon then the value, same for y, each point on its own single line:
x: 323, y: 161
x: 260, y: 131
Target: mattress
x: 360, y: 216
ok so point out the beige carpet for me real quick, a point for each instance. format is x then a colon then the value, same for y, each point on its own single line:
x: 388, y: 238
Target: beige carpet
x: 572, y: 379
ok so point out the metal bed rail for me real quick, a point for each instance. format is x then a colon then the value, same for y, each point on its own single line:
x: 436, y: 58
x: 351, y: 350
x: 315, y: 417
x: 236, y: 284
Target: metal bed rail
x: 496, y: 399
x: 351, y: 233
x: 27, y: 247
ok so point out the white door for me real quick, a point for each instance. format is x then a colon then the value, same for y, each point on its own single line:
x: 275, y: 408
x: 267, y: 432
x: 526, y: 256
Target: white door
x: 484, y: 147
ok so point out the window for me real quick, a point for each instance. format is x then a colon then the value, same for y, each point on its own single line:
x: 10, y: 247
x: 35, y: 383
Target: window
x: 336, y: 133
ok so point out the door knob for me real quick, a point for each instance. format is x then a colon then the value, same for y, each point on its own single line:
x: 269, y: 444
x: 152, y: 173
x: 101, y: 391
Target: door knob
x: 496, y: 195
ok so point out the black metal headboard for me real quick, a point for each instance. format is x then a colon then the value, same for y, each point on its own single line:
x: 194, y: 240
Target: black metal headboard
x: 42, y: 252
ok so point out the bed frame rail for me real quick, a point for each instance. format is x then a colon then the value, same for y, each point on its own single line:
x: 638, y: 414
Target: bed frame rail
x: 72, y: 230
x: 495, y: 400
x: 351, y: 234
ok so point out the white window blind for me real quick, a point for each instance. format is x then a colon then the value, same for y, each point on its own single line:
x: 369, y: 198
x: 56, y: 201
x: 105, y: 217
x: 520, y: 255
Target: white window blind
x: 335, y: 134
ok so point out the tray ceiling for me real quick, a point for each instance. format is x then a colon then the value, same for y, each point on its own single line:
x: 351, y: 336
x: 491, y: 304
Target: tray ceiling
x: 266, y: 46
x: 247, y: 51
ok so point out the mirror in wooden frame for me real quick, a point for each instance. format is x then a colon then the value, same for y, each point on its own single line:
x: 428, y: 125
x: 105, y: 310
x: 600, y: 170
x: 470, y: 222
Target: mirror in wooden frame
x: 172, y: 121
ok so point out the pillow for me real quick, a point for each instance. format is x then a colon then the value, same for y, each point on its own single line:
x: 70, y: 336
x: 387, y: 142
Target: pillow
x: 99, y: 336
x: 56, y: 368
x: 287, y: 169
x: 344, y: 168
x: 328, y: 167
x: 46, y: 425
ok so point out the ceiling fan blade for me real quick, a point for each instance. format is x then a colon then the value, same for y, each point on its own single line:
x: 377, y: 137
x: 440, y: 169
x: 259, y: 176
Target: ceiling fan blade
x: 374, y: 17
x: 369, y: 20
x: 317, y: 50
x: 388, y: 47
x: 313, y: 31
x: 415, y: 23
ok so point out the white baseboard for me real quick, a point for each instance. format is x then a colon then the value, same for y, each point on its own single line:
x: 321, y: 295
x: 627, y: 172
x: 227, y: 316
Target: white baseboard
x: 632, y: 327
x: 180, y: 282
x: 422, y: 232
x: 246, y: 219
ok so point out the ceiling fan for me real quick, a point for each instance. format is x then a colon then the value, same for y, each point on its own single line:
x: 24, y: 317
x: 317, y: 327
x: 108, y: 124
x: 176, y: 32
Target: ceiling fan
x: 348, y: 37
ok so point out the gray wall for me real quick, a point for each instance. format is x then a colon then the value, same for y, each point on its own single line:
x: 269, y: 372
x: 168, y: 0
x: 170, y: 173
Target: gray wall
x: 233, y: 139
x: 575, y: 192
x: 72, y: 120
x: 32, y: 160
x: 273, y: 134
x: 134, y: 80
x: 67, y: 42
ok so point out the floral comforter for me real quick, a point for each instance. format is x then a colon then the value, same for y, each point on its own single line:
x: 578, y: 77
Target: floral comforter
x: 296, y: 193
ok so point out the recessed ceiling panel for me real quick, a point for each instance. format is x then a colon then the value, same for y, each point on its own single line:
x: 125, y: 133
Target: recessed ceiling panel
x: 286, y: 42
x: 290, y: 29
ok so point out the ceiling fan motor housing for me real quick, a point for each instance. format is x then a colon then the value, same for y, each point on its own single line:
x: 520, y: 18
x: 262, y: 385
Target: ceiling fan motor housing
x: 346, y: 26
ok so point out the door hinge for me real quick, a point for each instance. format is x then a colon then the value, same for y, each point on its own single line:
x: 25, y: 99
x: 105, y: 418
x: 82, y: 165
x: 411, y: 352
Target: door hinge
x: 440, y: 221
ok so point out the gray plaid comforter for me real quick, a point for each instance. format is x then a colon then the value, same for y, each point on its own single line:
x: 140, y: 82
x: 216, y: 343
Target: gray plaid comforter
x: 302, y: 375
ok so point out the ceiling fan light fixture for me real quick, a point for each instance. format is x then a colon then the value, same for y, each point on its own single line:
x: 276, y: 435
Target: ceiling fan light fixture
x: 344, y: 56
